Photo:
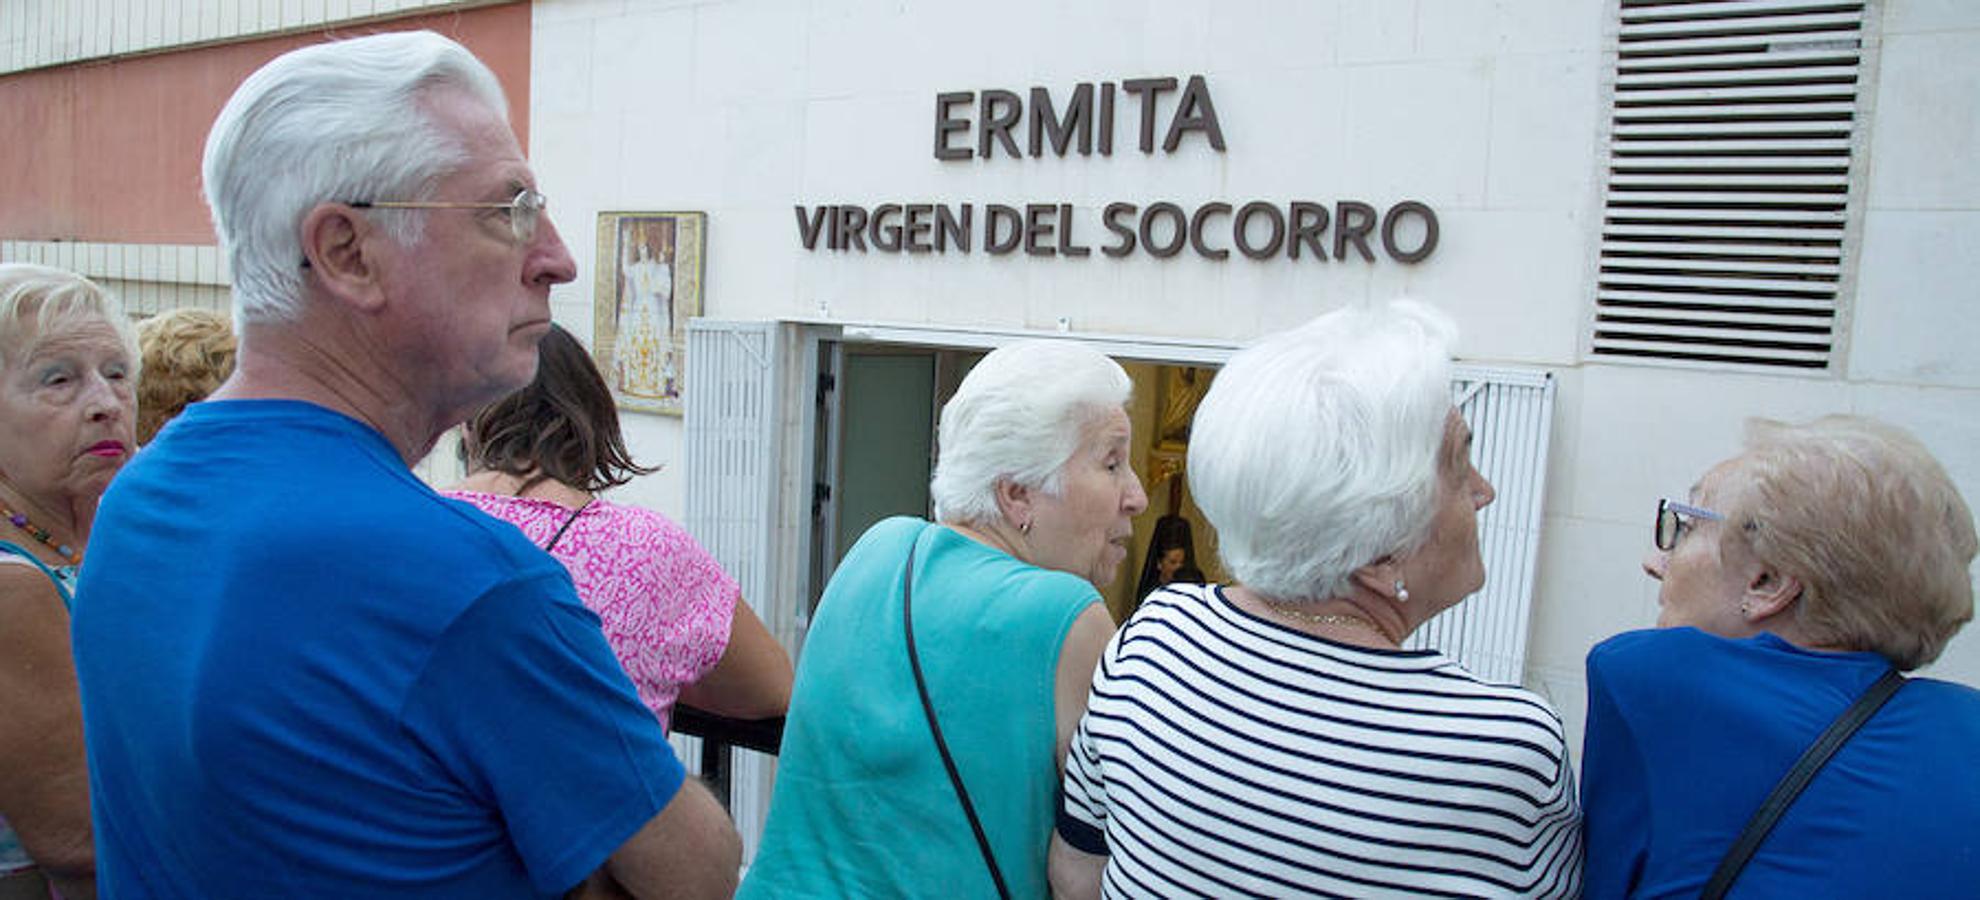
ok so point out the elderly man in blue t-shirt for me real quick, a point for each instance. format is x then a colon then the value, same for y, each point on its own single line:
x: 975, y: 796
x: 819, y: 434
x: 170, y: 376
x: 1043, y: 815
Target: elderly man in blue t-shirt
x: 304, y: 673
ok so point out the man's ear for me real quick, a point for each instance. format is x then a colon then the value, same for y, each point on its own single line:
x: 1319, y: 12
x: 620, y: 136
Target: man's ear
x: 336, y: 244
x: 1769, y: 592
x: 1015, y: 502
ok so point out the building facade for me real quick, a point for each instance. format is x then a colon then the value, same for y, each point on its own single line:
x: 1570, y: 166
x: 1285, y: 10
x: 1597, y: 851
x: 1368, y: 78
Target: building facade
x: 1677, y: 215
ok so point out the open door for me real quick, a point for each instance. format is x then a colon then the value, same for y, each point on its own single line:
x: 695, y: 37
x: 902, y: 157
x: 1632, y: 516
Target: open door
x: 876, y: 407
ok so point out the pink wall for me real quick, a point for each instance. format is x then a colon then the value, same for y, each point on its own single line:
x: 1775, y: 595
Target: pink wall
x: 109, y: 151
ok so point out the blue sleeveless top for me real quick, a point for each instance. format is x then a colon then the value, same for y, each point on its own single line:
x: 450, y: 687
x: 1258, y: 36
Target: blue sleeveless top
x: 862, y: 806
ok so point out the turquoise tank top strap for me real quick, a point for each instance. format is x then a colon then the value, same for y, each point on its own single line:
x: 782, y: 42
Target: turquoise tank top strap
x: 14, y: 862
x: 55, y: 575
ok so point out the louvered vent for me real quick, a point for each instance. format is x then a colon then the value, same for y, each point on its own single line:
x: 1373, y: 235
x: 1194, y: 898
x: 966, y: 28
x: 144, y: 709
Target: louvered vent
x: 1722, y: 234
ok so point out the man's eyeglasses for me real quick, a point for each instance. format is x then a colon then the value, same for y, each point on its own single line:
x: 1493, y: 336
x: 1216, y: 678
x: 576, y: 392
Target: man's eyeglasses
x: 1671, y: 522
x: 523, y: 211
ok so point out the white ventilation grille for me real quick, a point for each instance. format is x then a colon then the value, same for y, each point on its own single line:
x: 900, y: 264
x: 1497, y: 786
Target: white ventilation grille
x: 730, y: 456
x: 1728, y: 182
x: 1511, y: 414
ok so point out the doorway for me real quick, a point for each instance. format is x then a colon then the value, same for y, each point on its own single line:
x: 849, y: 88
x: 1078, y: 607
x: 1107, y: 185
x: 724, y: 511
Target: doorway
x: 875, y: 434
x: 875, y: 425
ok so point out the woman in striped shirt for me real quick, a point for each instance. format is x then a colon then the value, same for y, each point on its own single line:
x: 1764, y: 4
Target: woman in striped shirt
x: 1269, y: 738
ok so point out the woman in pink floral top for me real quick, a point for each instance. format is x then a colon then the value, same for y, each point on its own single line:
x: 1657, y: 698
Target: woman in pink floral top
x: 674, y: 618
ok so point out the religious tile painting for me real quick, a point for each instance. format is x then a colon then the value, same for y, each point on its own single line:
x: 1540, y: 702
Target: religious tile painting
x: 649, y: 286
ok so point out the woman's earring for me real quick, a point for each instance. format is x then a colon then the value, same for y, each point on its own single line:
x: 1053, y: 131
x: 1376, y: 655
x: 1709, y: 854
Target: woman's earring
x: 1025, y: 529
x: 1402, y: 592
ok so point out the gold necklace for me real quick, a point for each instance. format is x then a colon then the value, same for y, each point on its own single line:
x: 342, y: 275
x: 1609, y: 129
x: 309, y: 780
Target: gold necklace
x: 1344, y: 619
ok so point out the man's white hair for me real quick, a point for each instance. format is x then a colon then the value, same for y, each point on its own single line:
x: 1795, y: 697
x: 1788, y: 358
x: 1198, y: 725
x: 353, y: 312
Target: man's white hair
x: 1316, y: 451
x: 339, y: 121
x: 1018, y: 417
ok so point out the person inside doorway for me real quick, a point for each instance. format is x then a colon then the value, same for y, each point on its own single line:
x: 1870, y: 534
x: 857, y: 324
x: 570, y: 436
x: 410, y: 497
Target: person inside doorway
x: 1171, y: 555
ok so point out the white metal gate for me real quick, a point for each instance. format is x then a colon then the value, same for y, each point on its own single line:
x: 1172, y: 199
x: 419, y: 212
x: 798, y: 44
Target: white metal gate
x: 1511, y: 414
x: 730, y: 460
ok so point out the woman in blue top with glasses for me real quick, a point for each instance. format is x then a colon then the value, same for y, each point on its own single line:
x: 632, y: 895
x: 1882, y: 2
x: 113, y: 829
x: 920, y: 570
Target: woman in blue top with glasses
x: 1792, y: 579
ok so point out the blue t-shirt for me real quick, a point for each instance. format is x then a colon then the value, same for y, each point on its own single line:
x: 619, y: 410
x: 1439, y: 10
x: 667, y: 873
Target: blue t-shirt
x: 1688, y: 732
x: 304, y: 673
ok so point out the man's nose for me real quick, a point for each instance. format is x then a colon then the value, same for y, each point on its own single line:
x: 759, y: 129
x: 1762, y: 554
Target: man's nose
x: 550, y: 261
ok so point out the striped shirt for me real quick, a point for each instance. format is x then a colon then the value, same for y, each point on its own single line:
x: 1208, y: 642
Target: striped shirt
x: 1225, y: 755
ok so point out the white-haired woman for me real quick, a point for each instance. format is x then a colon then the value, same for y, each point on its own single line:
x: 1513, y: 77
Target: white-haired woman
x: 68, y: 377
x: 1794, y: 579
x: 1033, y: 493
x: 1269, y: 738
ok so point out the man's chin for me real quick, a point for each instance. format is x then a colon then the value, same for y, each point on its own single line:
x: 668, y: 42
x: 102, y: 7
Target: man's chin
x: 521, y: 373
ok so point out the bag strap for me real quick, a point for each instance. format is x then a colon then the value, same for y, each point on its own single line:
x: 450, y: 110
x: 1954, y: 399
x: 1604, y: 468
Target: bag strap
x: 62, y: 590
x: 1797, y: 778
x: 567, y: 525
x: 942, y: 746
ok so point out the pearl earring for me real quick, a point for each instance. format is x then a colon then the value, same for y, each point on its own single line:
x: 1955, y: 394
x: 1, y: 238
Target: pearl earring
x: 1402, y: 592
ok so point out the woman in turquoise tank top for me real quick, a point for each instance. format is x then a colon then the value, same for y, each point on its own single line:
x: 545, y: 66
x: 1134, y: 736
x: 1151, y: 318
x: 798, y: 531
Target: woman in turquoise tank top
x: 68, y: 373
x: 1033, y: 501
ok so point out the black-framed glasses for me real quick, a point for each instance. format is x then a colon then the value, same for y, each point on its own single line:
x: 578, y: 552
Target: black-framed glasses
x: 524, y: 209
x: 1671, y: 523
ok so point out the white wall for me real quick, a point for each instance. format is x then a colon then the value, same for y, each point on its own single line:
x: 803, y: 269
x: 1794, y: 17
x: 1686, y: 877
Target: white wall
x: 744, y: 109
x: 1490, y: 113
x: 1627, y: 435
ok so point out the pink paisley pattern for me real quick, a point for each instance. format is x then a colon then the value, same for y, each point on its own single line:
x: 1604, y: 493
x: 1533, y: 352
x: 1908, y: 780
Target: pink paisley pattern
x: 665, y: 604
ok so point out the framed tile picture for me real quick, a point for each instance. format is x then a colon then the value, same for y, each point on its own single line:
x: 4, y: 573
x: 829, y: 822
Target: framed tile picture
x: 649, y: 286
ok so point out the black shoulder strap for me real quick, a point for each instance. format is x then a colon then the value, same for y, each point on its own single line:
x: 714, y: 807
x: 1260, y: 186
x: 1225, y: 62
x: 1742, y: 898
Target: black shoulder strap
x: 942, y: 746
x: 567, y: 525
x: 1812, y: 760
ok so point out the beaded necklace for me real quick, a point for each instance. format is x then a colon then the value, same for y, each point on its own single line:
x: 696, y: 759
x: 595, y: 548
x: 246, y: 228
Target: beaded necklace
x: 41, y: 534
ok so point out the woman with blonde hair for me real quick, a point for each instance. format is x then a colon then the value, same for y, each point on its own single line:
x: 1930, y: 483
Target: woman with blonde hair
x: 67, y: 369
x: 1795, y: 582
x: 187, y: 354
